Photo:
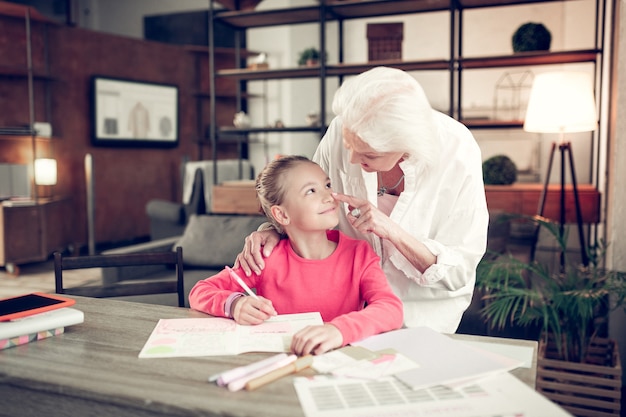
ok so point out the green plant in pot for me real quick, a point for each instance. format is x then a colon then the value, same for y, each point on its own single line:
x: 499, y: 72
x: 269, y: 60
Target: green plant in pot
x: 499, y: 170
x: 309, y: 56
x: 531, y: 36
x: 570, y: 305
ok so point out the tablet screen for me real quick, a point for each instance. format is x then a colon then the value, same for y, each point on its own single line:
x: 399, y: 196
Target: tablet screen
x: 29, y: 304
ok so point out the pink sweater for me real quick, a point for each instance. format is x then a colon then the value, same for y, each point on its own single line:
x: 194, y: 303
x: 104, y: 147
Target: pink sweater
x: 338, y: 287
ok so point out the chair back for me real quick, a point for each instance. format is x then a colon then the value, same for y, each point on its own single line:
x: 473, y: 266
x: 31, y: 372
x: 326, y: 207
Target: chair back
x: 123, y: 288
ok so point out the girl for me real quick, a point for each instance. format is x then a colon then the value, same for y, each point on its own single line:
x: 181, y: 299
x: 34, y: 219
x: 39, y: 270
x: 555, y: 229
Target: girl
x: 314, y: 269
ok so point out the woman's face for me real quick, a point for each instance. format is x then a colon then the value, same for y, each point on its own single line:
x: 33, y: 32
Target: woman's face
x: 363, y: 154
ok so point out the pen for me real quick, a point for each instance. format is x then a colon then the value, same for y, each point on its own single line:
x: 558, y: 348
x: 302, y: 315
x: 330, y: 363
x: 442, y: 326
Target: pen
x: 302, y: 363
x: 238, y: 384
x: 237, y: 278
x: 225, y: 378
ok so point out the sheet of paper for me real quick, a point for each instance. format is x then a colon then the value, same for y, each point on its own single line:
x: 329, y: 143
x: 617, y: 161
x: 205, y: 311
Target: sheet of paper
x: 220, y: 336
x: 387, y: 397
x: 522, y: 354
x: 441, y: 359
x: 501, y: 395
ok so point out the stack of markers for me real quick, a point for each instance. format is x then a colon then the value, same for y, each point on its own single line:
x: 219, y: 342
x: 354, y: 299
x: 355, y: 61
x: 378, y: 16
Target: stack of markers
x: 262, y: 372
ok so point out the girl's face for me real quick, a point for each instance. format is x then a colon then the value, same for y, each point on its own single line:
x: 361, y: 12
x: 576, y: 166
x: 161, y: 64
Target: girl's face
x: 309, y: 204
x: 363, y: 154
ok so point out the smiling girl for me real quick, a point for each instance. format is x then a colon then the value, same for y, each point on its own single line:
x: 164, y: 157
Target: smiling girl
x: 313, y: 269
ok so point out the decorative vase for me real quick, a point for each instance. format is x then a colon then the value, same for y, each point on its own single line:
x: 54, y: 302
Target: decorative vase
x: 583, y: 389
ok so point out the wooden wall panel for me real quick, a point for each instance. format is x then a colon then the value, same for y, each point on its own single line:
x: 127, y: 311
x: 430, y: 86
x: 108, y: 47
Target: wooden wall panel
x: 125, y: 178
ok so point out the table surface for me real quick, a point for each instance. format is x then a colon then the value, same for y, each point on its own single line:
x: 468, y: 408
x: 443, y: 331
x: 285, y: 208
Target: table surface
x: 94, y: 367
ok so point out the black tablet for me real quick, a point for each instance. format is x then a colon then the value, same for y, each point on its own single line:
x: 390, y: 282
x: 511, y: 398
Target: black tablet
x: 29, y: 304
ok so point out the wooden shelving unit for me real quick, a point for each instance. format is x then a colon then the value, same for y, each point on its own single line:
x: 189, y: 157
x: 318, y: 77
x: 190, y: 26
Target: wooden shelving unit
x: 340, y: 11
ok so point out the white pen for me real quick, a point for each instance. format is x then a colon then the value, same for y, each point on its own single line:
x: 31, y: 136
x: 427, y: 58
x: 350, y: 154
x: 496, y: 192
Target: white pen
x: 237, y: 278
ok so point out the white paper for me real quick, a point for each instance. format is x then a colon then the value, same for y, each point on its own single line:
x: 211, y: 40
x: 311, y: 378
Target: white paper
x: 501, y: 395
x: 221, y: 336
x: 441, y: 359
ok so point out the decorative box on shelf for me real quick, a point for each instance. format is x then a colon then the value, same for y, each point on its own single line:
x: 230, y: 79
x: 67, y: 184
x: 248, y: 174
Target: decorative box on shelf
x: 235, y: 197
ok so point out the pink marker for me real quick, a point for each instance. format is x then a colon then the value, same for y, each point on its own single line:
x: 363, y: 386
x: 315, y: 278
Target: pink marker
x: 238, y: 384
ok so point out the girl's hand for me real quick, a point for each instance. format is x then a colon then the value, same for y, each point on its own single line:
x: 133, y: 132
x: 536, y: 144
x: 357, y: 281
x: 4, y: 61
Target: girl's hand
x: 250, y: 311
x: 368, y: 219
x: 316, y: 340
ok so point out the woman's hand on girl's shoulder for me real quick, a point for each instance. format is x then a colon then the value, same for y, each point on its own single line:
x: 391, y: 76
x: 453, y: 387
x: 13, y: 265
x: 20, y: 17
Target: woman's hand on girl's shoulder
x: 251, y: 259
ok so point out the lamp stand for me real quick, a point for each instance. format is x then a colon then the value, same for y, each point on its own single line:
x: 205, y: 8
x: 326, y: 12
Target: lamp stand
x: 564, y: 147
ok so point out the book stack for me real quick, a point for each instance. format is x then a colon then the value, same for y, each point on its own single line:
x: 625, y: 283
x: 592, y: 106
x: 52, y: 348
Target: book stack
x: 38, y: 326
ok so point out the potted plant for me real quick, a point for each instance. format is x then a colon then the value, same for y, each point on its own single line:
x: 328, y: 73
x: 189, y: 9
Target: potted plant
x: 309, y: 57
x: 570, y: 305
x: 499, y: 170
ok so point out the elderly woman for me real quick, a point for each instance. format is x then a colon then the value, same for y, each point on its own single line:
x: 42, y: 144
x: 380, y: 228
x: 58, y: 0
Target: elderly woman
x: 411, y: 178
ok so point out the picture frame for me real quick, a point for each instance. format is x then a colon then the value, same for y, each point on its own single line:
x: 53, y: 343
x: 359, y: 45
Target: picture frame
x: 134, y: 113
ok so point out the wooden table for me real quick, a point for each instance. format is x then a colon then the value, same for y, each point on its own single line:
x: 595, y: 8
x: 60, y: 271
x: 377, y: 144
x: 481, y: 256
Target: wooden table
x: 94, y: 369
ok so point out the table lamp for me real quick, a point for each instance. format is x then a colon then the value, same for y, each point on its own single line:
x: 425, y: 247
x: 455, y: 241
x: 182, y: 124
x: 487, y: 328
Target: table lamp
x: 45, y: 171
x: 562, y: 102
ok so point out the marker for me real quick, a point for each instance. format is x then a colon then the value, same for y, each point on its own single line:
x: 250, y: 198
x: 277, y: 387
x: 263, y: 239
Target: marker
x: 224, y: 378
x: 243, y: 285
x: 238, y: 384
x: 302, y: 363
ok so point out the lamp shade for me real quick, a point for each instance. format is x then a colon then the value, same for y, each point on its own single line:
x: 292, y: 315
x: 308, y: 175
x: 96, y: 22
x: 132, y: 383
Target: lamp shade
x: 561, y: 102
x: 45, y: 171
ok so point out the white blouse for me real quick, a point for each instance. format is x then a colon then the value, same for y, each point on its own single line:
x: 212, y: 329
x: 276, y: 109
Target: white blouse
x: 443, y: 207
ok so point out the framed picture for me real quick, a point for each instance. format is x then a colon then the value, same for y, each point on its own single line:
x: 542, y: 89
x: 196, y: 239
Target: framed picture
x: 133, y: 113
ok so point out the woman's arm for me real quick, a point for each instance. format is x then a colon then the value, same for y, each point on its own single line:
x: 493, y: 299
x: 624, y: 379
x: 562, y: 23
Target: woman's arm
x: 372, y: 220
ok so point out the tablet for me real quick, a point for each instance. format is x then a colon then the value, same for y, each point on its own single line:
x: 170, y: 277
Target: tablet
x: 29, y: 304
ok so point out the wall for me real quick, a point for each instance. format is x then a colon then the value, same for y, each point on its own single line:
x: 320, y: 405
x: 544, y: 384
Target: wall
x: 616, y: 230
x: 125, y: 178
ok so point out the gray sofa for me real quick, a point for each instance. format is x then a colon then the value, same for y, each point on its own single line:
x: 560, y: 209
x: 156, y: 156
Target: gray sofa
x: 169, y: 218
x: 209, y: 242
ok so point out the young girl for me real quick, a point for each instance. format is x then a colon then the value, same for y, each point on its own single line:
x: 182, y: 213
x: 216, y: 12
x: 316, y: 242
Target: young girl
x: 314, y: 269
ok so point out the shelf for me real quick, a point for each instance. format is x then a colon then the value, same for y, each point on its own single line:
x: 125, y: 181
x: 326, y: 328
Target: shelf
x: 354, y: 9
x: 20, y: 72
x: 475, y: 4
x: 244, y: 53
x: 492, y: 124
x: 530, y: 58
x: 520, y: 59
x: 331, y: 70
x: 232, y: 131
x: 335, y: 10
x: 24, y: 137
x: 225, y: 95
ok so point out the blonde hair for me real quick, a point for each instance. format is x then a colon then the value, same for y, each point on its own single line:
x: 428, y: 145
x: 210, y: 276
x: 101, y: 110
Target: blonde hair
x: 270, y: 184
x: 388, y: 110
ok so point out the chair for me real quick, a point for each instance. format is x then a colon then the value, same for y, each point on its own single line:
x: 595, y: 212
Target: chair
x: 126, y: 287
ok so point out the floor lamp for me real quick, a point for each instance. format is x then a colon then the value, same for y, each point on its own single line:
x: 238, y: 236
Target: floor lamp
x: 562, y: 102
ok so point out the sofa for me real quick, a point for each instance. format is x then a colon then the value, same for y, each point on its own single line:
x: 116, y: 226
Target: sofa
x: 169, y: 218
x: 209, y: 242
